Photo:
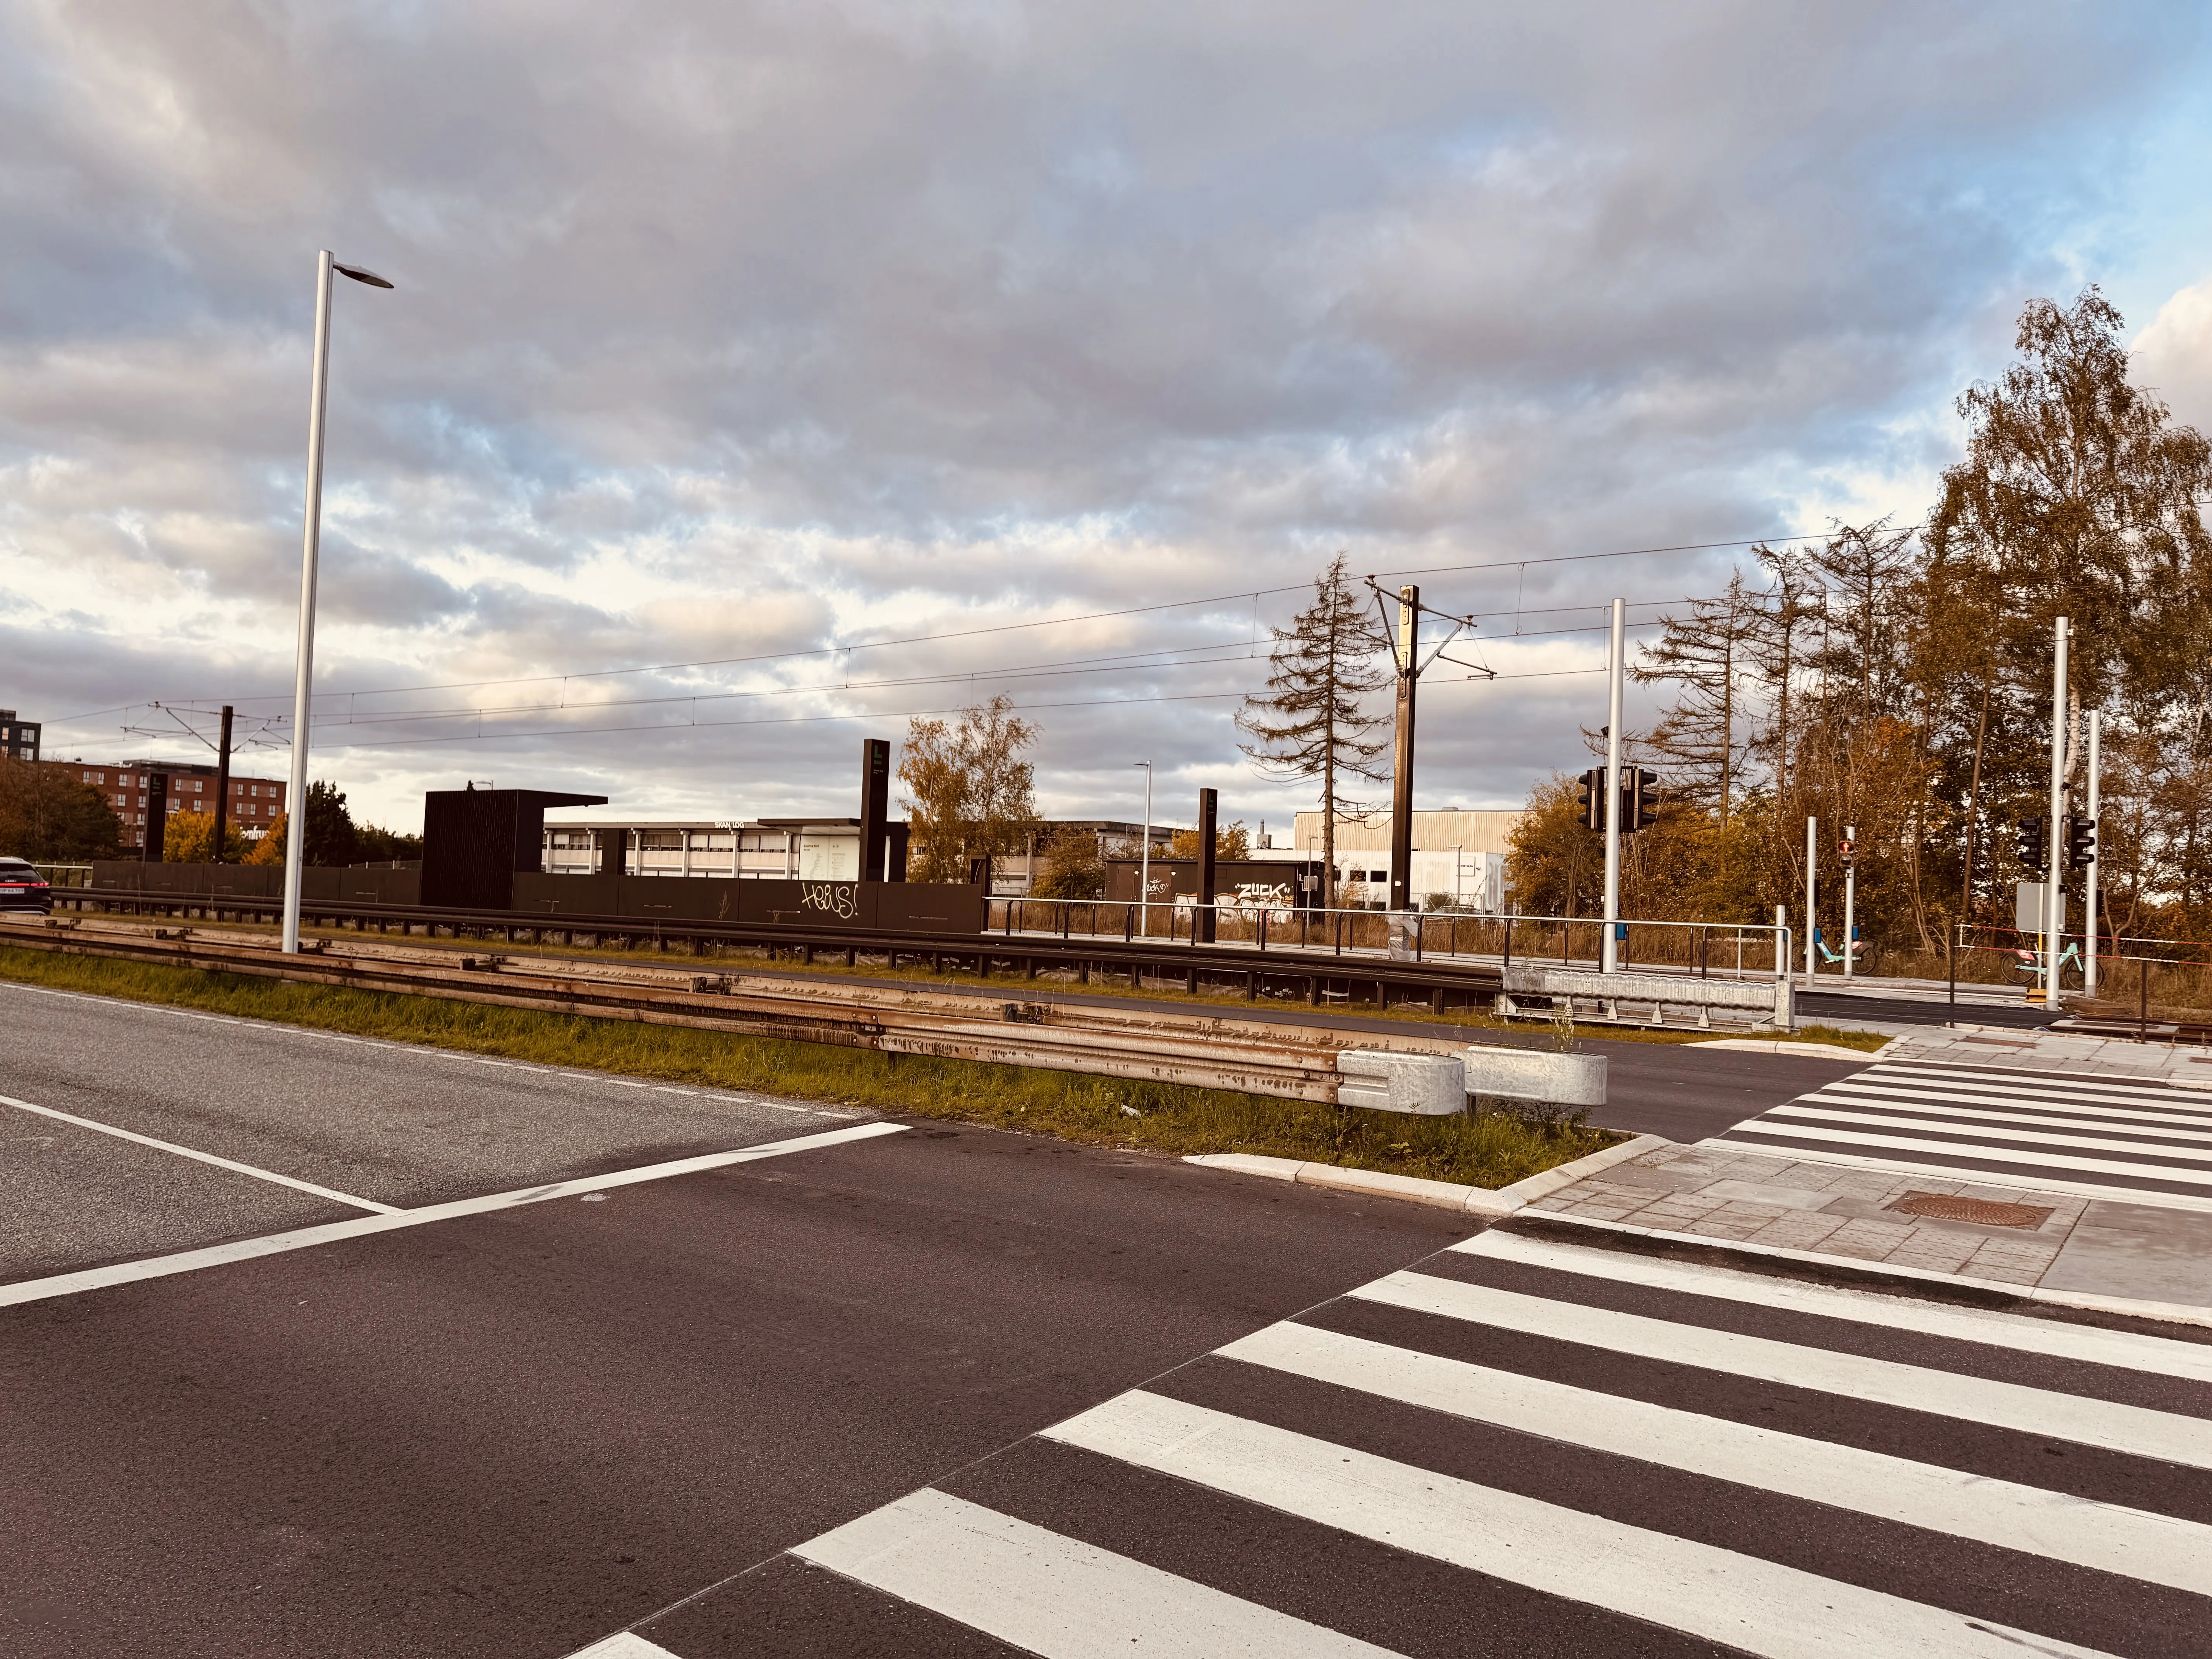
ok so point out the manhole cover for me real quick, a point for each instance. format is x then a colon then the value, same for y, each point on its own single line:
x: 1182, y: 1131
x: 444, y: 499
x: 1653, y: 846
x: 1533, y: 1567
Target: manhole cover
x: 1946, y: 1206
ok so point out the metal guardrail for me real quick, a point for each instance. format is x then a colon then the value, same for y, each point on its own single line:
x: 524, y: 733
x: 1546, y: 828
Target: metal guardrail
x: 1271, y: 971
x: 1288, y: 1062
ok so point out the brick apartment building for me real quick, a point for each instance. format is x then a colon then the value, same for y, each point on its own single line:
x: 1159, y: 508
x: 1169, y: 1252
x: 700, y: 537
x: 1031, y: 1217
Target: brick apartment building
x: 255, y: 802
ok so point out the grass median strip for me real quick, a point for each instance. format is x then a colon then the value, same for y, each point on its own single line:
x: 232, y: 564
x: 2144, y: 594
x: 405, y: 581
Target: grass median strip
x: 1488, y: 1150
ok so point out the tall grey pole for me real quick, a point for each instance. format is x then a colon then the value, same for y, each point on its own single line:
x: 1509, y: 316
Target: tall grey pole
x: 295, y: 826
x: 1812, y: 895
x: 2089, y: 876
x: 1609, y: 951
x: 2054, y: 891
x: 1850, y: 896
x: 1145, y: 858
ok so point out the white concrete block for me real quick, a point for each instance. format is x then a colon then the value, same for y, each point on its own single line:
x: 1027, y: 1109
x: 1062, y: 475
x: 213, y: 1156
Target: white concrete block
x: 1428, y: 1086
x: 1537, y: 1074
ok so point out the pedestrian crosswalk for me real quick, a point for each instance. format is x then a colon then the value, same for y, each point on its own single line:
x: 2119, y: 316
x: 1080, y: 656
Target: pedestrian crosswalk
x: 1527, y: 1446
x: 2055, y: 1131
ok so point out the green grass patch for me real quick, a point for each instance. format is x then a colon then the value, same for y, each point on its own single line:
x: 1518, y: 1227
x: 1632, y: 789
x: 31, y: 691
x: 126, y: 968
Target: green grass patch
x: 1486, y: 1151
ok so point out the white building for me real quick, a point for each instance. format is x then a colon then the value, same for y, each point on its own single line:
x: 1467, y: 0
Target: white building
x: 803, y: 849
x: 1461, y: 855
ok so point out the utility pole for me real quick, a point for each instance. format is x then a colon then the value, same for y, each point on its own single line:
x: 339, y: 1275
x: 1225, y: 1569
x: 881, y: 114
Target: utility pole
x: 2089, y: 877
x: 1616, y: 666
x: 1402, y: 777
x: 1851, y: 898
x: 1812, y: 896
x: 223, y: 788
x: 2054, y: 894
x: 1405, y: 651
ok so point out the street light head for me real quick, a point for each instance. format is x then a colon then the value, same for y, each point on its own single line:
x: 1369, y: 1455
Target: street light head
x: 360, y: 274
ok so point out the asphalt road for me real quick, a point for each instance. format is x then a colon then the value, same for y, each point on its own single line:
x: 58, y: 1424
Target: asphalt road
x: 511, y: 1433
x: 838, y: 1401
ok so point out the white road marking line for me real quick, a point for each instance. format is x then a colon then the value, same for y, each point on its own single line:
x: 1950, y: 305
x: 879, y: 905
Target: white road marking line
x: 1741, y: 1602
x: 2017, y: 1108
x: 2073, y: 1084
x: 623, y: 1645
x: 2058, y: 1526
x: 2162, y: 1355
x: 2135, y: 1430
x: 246, y: 1250
x: 1937, y: 1120
x: 1988, y: 1151
x: 1054, y: 1596
x: 231, y: 1164
x: 2030, y: 1180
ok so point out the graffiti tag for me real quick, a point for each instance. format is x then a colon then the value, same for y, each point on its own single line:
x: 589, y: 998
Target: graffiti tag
x: 840, y: 899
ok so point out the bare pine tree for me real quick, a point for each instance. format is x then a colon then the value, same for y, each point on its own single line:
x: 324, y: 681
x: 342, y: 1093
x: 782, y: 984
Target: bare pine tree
x: 1703, y: 737
x: 1310, y: 723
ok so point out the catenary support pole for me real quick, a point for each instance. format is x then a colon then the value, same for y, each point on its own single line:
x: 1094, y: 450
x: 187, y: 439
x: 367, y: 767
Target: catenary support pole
x: 2054, y: 891
x: 222, y: 789
x: 1851, y: 898
x: 2089, y: 876
x: 1401, y: 778
x: 295, y: 825
x: 1812, y: 896
x: 1616, y: 668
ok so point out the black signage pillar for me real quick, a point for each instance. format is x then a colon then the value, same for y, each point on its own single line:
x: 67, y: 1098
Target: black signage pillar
x: 875, y: 810
x: 614, y: 852
x: 222, y: 789
x: 157, y: 816
x: 1209, y: 802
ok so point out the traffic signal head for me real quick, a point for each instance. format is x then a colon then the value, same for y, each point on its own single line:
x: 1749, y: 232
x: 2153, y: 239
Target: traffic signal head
x: 2034, y: 848
x: 1848, y: 848
x: 1589, y: 798
x: 2080, y: 841
x: 1641, y: 809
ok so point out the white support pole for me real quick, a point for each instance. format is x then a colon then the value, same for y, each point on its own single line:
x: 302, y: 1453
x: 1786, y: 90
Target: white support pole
x: 2089, y: 877
x: 1812, y: 922
x: 1851, y: 897
x: 1144, y: 857
x: 295, y: 825
x: 1609, y: 950
x: 2054, y: 891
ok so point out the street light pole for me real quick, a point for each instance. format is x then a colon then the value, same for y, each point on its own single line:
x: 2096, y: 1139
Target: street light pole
x: 296, y: 827
x: 2089, y: 876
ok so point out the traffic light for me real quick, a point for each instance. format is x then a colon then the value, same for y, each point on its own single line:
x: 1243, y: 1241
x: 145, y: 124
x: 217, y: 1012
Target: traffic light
x: 2034, y: 849
x: 1590, y: 798
x: 1639, y: 806
x: 1848, y: 848
x: 2080, y: 841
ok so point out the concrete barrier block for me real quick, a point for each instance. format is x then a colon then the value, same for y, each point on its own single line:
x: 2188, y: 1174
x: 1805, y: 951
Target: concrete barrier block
x: 1428, y: 1086
x: 1536, y: 1074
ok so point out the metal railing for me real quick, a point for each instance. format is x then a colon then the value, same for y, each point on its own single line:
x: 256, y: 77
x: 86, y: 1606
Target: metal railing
x: 1742, y: 950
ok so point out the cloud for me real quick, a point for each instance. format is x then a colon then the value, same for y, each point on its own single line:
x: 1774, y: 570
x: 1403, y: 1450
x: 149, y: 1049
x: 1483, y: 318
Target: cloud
x: 724, y: 331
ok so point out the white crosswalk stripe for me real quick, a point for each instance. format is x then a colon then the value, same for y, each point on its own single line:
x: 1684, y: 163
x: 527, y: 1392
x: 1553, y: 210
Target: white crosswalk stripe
x: 1619, y: 1453
x: 2052, y: 1131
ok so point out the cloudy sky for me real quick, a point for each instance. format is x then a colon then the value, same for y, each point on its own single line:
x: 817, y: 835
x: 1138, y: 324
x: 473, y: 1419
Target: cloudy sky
x: 760, y: 375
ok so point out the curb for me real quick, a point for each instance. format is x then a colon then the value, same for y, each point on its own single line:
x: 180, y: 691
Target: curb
x: 1491, y: 1204
x: 2170, y: 1313
x: 1765, y: 1046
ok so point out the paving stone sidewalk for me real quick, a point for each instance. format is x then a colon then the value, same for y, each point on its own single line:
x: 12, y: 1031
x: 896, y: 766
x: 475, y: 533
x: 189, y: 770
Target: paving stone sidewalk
x: 2096, y: 1246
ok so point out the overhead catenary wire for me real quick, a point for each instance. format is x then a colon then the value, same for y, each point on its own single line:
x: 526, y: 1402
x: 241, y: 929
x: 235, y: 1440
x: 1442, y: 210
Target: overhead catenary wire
x: 1011, y: 627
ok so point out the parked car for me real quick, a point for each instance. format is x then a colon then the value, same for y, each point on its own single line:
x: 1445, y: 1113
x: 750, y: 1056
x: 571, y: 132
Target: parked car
x: 22, y: 888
